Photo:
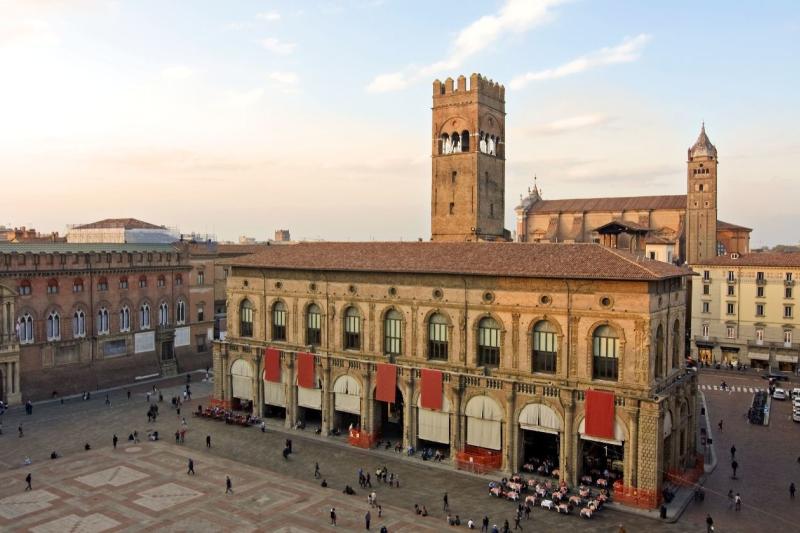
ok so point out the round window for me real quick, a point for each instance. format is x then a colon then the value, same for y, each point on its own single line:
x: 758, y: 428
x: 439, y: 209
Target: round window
x: 545, y: 299
x: 312, y: 287
x: 437, y: 294
x: 488, y: 296
x: 352, y: 289
x: 392, y: 291
x: 605, y: 301
x: 246, y: 283
x: 278, y: 284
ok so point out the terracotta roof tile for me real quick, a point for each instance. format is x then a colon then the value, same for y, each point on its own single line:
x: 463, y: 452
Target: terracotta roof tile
x: 622, y: 203
x: 727, y: 225
x: 765, y: 259
x: 535, y: 260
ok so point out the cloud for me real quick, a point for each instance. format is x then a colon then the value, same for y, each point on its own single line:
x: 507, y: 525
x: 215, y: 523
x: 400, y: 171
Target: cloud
x: 29, y: 32
x: 269, y: 16
x: 626, y: 52
x: 277, y: 47
x: 516, y: 16
x: 237, y: 26
x: 569, y: 124
x: 177, y: 72
x: 284, y: 78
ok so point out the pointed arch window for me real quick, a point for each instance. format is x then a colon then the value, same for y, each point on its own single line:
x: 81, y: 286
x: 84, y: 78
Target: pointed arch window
x: 180, y: 313
x: 438, y: 337
x: 102, y: 321
x: 124, y: 319
x: 79, y: 324
x: 144, y: 317
x: 314, y: 325
x: 246, y: 319
x: 53, y: 326
x: 25, y: 328
x: 163, y: 314
x: 545, y: 347
x: 393, y: 333
x: 488, y: 342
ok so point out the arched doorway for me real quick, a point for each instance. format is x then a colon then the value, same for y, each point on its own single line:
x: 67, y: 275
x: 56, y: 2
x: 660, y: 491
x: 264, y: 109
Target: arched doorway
x: 347, y: 403
x: 540, y: 430
x: 242, y: 385
x: 309, y: 404
x: 388, y: 417
x: 599, y: 455
x: 433, y: 427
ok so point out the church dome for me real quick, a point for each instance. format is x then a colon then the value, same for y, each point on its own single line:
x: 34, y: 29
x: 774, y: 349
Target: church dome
x: 702, y: 146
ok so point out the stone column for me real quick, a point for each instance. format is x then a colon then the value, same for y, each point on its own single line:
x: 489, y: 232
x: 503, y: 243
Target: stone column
x: 366, y: 408
x: 327, y: 399
x: 291, y: 398
x: 222, y: 378
x: 409, y: 423
x: 631, y: 473
x: 569, y: 441
x: 258, y: 387
x: 511, y: 432
x: 456, y: 439
x: 648, y: 461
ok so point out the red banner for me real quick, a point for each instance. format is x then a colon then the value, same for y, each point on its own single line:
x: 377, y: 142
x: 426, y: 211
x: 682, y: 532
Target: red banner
x: 272, y: 365
x: 431, y: 397
x: 600, y: 414
x: 387, y: 383
x: 305, y: 370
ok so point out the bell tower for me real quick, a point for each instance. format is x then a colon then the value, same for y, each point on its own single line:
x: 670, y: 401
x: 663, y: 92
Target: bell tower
x: 468, y: 160
x: 701, y: 200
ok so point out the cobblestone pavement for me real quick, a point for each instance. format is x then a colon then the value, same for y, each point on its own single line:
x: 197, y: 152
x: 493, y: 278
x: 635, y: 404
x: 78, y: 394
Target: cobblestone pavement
x: 767, y: 458
x: 80, y: 488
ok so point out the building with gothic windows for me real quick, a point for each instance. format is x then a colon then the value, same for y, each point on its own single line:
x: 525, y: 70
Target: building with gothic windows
x: 567, y: 359
x: 673, y: 228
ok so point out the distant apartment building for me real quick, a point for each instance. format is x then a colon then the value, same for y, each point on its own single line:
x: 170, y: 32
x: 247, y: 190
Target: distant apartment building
x: 282, y: 235
x: 744, y: 310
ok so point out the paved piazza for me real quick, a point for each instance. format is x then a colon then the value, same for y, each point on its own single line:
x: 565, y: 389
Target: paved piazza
x: 145, y: 487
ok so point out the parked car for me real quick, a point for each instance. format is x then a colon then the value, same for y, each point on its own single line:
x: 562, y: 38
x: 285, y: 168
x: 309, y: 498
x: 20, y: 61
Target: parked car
x: 779, y: 394
x: 796, y: 416
x: 796, y: 393
x: 776, y: 376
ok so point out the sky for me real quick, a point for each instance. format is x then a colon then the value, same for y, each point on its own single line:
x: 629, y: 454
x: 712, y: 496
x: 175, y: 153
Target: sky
x: 239, y: 117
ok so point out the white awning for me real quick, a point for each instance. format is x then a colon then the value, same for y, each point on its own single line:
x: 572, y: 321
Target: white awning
x: 347, y: 385
x: 310, y: 398
x: 539, y: 417
x: 275, y: 393
x: 433, y: 426
x: 667, y: 424
x: 347, y: 395
x: 484, y: 423
x: 242, y: 380
x: 786, y: 358
x: 620, y: 435
x: 761, y: 356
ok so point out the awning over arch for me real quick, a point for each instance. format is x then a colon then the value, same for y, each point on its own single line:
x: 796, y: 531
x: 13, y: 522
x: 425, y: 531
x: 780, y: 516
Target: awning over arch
x: 242, y: 380
x: 347, y: 393
x: 275, y: 393
x: 620, y: 435
x: 667, y: 424
x: 484, y: 423
x: 434, y: 425
x: 540, y: 417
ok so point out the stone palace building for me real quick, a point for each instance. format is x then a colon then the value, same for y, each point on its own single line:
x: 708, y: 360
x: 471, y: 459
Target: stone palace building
x: 501, y: 355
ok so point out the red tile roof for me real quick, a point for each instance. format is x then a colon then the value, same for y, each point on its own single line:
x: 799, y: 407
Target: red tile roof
x: 621, y: 203
x: 534, y: 260
x: 765, y: 259
x: 126, y: 223
x: 727, y: 225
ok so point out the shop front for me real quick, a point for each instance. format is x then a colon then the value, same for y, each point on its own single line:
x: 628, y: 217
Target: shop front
x: 759, y: 358
x: 540, y: 430
x: 242, y: 385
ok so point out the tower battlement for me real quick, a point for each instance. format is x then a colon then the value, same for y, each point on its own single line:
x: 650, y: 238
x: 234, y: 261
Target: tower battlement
x: 477, y: 83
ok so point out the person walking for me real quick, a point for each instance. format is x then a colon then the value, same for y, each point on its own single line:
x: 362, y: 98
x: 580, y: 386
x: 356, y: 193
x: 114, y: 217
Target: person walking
x: 317, y: 475
x: 28, y: 481
x: 228, y: 485
x: 733, y: 452
x: 485, y: 524
x: 129, y: 394
x: 114, y: 441
x: 108, y: 400
x: 709, y: 524
x: 367, y: 518
x: 791, y: 490
x: 720, y: 426
x: 730, y: 499
x: 333, y: 516
x: 738, y: 502
x: 734, y: 466
x: 445, y: 503
x: 20, y: 430
x: 208, y: 441
x: 191, y: 468
x: 517, y: 525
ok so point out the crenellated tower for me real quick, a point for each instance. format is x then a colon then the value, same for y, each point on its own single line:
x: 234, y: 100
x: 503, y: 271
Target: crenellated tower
x: 468, y: 160
x: 701, y: 200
